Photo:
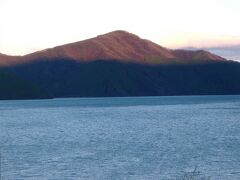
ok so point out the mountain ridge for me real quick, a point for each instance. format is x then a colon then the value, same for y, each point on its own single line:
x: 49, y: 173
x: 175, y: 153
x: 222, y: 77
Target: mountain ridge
x: 118, y: 45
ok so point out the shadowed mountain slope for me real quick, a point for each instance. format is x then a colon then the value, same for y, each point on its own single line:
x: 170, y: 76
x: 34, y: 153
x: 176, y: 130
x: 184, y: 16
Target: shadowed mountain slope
x: 13, y: 87
x: 68, y: 78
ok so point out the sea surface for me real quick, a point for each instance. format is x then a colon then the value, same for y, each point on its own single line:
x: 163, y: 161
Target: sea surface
x: 132, y: 138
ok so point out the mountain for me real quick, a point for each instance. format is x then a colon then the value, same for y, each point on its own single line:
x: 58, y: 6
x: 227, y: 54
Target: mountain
x: 117, y: 45
x: 122, y: 64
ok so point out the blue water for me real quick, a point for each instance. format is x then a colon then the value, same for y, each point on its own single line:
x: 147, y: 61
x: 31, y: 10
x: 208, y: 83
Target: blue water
x: 120, y: 138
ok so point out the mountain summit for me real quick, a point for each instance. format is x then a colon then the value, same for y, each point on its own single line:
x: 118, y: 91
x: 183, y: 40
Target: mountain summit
x: 117, y: 45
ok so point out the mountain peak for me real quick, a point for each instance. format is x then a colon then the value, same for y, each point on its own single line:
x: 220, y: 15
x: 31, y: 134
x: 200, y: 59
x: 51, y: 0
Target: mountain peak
x: 117, y: 45
x: 118, y: 32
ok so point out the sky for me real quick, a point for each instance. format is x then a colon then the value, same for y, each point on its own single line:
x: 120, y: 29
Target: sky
x: 31, y: 25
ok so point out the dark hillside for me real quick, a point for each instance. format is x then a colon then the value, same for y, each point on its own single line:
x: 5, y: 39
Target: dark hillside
x: 68, y: 78
x: 13, y: 87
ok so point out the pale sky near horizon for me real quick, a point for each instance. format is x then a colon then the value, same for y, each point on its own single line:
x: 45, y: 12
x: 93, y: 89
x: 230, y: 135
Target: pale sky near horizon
x: 30, y: 25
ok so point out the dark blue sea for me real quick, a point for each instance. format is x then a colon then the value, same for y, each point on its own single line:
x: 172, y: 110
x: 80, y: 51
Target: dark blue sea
x: 132, y: 138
